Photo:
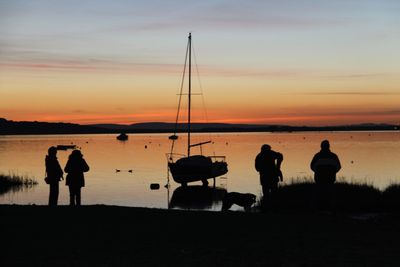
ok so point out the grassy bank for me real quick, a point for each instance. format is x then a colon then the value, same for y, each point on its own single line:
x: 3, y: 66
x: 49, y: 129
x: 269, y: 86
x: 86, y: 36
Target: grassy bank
x: 15, y: 182
x: 342, y: 197
x: 118, y: 236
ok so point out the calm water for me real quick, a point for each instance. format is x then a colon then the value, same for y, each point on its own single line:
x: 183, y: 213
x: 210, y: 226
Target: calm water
x: 372, y: 157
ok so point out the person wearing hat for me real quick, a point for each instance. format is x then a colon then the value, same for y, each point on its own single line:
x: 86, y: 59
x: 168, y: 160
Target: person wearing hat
x: 75, y: 179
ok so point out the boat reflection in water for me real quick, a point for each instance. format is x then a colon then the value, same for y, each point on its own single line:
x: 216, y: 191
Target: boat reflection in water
x: 197, y: 197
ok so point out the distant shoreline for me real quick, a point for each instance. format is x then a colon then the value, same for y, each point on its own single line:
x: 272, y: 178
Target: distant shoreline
x: 168, y: 132
x: 8, y: 127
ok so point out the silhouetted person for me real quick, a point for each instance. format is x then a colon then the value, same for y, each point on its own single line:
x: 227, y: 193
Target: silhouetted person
x: 325, y: 165
x: 54, y: 174
x: 268, y: 164
x: 75, y: 179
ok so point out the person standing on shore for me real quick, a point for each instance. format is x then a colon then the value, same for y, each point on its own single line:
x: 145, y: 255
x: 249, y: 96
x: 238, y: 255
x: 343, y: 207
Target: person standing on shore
x: 268, y: 164
x: 325, y: 164
x: 75, y: 179
x: 54, y: 174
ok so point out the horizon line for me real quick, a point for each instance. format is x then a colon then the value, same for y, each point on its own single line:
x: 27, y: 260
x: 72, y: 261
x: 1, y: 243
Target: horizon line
x: 228, y: 123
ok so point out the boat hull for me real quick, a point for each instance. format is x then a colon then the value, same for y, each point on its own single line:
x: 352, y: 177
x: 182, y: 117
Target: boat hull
x: 196, y: 168
x: 122, y: 137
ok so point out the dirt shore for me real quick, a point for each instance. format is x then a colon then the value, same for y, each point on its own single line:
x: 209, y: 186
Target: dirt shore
x: 121, y: 236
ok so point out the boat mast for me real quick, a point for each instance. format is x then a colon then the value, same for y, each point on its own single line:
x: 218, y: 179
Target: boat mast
x: 190, y: 89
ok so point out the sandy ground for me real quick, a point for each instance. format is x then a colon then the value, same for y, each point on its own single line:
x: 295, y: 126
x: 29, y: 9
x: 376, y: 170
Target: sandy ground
x: 121, y: 236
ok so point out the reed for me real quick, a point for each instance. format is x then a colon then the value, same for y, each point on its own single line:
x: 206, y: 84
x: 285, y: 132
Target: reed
x: 15, y: 182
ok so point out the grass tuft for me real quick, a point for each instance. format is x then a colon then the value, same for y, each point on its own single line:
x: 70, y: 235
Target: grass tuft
x: 15, y: 182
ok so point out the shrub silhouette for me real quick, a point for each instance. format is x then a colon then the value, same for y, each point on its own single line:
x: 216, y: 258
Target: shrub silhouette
x: 391, y: 198
x: 344, y: 197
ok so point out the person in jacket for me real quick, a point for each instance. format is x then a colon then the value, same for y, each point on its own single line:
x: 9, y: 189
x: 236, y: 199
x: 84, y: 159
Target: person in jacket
x: 268, y: 164
x: 54, y: 174
x: 75, y: 179
x: 325, y: 165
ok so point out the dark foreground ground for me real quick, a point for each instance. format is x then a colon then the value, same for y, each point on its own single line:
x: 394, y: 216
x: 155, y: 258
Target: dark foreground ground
x: 118, y: 236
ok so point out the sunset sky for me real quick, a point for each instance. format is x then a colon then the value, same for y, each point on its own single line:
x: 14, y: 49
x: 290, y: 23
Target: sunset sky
x: 267, y: 62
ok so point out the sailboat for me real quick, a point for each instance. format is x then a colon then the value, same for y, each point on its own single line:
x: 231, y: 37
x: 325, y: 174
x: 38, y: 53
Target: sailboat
x: 191, y: 168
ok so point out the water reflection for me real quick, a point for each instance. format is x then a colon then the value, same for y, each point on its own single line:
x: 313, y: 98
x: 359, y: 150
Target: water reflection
x: 197, y: 197
x: 16, y: 188
x: 370, y: 157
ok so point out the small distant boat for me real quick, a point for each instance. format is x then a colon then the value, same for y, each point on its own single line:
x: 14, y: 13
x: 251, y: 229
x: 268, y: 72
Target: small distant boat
x: 122, y: 137
x: 66, y: 147
x: 191, y: 168
x: 173, y: 137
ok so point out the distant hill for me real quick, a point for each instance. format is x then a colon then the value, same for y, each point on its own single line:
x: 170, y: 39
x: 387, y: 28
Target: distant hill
x: 165, y: 126
x: 226, y: 127
x: 26, y: 127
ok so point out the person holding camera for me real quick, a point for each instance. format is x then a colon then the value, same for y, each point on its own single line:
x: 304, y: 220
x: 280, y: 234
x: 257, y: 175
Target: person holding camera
x: 268, y: 164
